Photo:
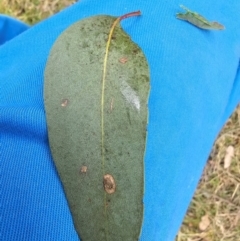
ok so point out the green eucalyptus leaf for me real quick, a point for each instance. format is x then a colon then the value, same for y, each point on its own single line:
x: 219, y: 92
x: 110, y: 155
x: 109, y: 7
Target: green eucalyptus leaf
x: 198, y: 20
x: 96, y: 93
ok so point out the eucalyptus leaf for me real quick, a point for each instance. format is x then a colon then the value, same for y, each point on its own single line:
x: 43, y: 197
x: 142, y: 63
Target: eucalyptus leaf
x: 198, y: 20
x: 95, y: 94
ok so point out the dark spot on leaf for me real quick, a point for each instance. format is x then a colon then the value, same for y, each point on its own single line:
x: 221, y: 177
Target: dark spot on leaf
x: 84, y: 44
x: 135, y: 51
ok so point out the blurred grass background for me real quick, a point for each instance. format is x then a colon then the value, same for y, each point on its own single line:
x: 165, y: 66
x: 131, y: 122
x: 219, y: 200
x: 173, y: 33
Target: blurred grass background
x: 214, y: 213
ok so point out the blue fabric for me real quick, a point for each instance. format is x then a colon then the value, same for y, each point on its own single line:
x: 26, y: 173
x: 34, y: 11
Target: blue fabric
x: 10, y: 28
x: 195, y: 85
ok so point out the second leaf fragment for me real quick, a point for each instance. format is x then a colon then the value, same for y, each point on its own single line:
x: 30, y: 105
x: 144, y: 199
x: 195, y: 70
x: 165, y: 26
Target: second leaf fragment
x: 198, y: 20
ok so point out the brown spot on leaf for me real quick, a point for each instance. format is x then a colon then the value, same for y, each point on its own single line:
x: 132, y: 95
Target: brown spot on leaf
x: 123, y: 60
x: 83, y: 169
x: 109, y: 183
x: 64, y: 102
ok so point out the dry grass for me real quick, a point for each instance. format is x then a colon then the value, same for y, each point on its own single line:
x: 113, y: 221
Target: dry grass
x: 32, y: 11
x: 218, y: 193
x: 214, y: 214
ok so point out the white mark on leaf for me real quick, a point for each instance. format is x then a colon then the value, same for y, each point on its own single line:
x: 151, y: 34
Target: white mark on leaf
x: 64, y: 102
x: 130, y: 95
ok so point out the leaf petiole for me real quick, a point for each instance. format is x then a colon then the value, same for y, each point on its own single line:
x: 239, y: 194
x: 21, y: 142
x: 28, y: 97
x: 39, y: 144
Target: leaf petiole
x: 128, y: 15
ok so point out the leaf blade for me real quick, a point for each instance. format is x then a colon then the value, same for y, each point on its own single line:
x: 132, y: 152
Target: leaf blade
x: 102, y: 216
